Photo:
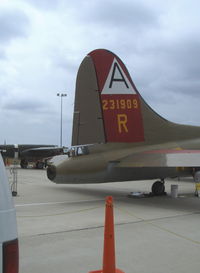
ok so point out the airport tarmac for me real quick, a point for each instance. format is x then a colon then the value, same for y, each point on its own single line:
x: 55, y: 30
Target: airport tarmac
x: 60, y: 227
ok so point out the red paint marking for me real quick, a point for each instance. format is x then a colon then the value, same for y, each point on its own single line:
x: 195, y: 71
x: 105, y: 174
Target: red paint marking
x: 122, y: 124
x: 116, y: 131
x: 102, y: 60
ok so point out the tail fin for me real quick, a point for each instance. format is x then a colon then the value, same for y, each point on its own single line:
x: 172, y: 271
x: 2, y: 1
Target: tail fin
x: 107, y: 104
x: 108, y: 107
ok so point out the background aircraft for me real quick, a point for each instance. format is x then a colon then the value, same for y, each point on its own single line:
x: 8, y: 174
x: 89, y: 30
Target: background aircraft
x: 130, y: 140
x: 30, y: 153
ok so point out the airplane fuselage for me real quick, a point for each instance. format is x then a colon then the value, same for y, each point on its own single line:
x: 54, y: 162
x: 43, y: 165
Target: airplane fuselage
x: 100, y: 165
x: 134, y: 142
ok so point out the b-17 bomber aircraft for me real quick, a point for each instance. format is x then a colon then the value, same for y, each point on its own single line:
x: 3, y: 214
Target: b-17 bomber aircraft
x: 117, y: 136
x: 30, y: 153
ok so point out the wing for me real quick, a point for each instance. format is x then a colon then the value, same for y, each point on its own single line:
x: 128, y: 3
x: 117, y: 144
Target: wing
x: 42, y: 152
x: 161, y: 158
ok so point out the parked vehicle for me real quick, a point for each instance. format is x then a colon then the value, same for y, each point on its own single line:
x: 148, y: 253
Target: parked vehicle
x: 9, y: 252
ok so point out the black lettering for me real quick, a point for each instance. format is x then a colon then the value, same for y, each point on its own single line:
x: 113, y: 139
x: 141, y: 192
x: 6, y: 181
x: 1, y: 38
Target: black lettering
x: 113, y: 79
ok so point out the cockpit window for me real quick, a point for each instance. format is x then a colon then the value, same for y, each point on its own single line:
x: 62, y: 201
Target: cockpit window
x: 77, y: 151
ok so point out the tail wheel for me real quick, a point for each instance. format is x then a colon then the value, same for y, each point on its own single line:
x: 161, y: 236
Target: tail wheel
x: 158, y: 188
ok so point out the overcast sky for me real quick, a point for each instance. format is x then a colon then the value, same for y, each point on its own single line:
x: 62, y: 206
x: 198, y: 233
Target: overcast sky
x: 42, y: 43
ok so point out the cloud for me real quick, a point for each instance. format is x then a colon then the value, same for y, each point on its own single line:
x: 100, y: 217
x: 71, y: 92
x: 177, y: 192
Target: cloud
x: 178, y: 66
x: 2, y: 54
x: 158, y: 42
x: 44, y: 4
x: 123, y: 13
x: 24, y: 105
x: 14, y: 23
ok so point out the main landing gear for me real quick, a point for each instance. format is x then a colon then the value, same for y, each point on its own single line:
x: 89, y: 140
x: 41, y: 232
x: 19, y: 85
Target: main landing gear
x: 158, y: 188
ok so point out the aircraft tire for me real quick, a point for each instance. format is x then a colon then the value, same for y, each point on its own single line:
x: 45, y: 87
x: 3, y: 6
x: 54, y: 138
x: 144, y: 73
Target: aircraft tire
x: 158, y: 188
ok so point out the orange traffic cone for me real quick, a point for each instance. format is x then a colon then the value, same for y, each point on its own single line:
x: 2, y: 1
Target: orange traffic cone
x: 109, y: 241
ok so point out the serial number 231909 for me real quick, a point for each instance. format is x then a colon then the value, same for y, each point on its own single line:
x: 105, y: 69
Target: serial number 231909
x: 120, y: 104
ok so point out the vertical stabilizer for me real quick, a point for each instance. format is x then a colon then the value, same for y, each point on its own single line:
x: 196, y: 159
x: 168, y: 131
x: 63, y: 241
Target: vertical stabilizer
x: 107, y: 104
